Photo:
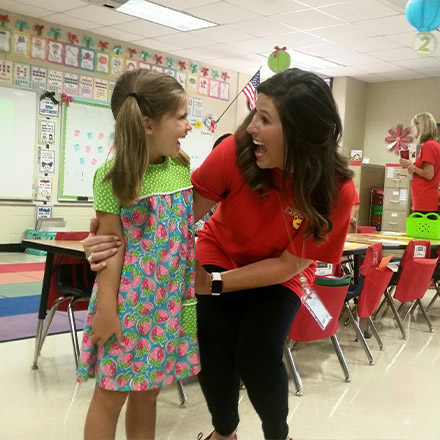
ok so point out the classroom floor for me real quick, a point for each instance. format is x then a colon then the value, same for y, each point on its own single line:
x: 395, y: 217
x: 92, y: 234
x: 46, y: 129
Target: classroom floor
x: 396, y: 399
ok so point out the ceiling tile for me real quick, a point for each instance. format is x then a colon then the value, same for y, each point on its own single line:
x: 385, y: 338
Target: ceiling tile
x: 372, y: 44
x: 185, y: 40
x: 100, y: 15
x: 403, y: 75
x: 328, y: 51
x: 222, y: 34
x: 184, y: 4
x: 21, y: 8
x: 403, y: 53
x: 145, y: 28
x: 420, y: 63
x: 194, y: 55
x: 72, y: 22
x: 342, y: 33
x: 269, y: 7
x: 298, y: 40
x: 221, y: 50
x: 322, y: 3
x: 151, y: 43
x: 253, y: 45
x: 55, y: 5
x: 404, y: 38
x: 356, y: 10
x: 308, y: 19
x: 379, y: 68
x: 262, y: 27
x: 354, y: 60
x: 116, y: 34
x: 339, y: 71
x: 386, y: 26
x: 221, y: 13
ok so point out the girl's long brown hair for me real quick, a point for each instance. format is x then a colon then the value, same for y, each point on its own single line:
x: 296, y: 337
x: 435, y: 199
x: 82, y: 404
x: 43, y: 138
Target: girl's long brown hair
x: 312, y: 128
x: 138, y: 93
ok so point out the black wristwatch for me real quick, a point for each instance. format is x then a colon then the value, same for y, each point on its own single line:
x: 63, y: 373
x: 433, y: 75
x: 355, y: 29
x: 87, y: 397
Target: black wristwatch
x: 216, y: 283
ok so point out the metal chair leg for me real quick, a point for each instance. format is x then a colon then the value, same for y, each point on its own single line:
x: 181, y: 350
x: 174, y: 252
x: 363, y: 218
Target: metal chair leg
x: 396, y: 315
x: 72, y: 324
x: 419, y: 303
x: 359, y: 334
x: 437, y: 294
x: 182, y: 394
x: 295, y: 374
x: 375, y: 333
x: 341, y: 357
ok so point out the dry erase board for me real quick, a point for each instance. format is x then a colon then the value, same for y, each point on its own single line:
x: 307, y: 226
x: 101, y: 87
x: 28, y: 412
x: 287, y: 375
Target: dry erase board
x: 18, y: 116
x: 198, y: 144
x: 87, y: 139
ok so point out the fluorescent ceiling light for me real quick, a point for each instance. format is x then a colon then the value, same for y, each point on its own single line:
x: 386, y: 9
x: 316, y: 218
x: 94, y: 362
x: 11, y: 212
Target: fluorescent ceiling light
x: 164, y: 16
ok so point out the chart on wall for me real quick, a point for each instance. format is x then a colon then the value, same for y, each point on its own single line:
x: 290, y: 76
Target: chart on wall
x: 87, y: 139
x: 197, y: 143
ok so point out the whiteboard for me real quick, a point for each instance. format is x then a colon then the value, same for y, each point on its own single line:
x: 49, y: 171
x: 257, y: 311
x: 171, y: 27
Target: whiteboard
x: 87, y: 139
x: 18, y: 116
x: 198, y: 144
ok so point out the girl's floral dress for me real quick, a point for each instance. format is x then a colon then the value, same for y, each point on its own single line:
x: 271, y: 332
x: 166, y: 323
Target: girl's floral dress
x: 158, y: 274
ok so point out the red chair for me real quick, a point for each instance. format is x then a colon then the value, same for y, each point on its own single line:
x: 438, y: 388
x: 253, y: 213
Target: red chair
x: 412, y: 280
x: 366, y: 229
x: 436, y: 281
x: 70, y: 288
x: 369, y: 289
x: 305, y: 329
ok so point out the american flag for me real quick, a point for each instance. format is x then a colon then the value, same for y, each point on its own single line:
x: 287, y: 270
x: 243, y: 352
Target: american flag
x: 250, y: 89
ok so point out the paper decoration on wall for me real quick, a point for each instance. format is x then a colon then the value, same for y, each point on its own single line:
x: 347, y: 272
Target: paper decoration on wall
x: 47, y: 161
x: 132, y: 52
x: 214, y: 89
x: 44, y: 188
x: 103, y: 45
x: 204, y: 71
x: 47, y: 132
x: 5, y: 41
x: 43, y: 211
x: 194, y: 68
x: 224, y: 91
x: 102, y: 62
x: 55, y: 53
x: 143, y: 65
x: 86, y: 86
x: 211, y: 123
x: 22, y: 74
x: 100, y: 89
x: 39, y: 28
x: 50, y: 95
x: 71, y: 55
x: 182, y: 65
x: 87, y: 59
x: 116, y: 65
x: 215, y: 74
x: 398, y: 139
x: 55, y: 33
x: 170, y: 62
x: 66, y: 99
x: 117, y: 50
x: 38, y: 48
x: 20, y: 43
x: 191, y: 84
x: 156, y: 68
x: 181, y: 78
x: 88, y: 41
x: 145, y: 55
x: 203, y: 86
x: 48, y: 107
x: 157, y: 59
x: 55, y: 81
x: 170, y: 72
x: 21, y: 25
x: 73, y: 38
x: 71, y: 84
x: 279, y: 59
x: 198, y: 108
x: 225, y: 76
x: 3, y: 20
x: 5, y: 72
x: 38, y: 78
x: 130, y: 64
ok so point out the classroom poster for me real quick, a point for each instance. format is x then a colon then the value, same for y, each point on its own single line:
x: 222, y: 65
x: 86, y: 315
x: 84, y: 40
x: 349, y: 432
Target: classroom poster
x: 87, y: 59
x: 181, y: 79
x: 20, y: 43
x: 116, y: 65
x: 214, y: 88
x: 71, y: 84
x: 191, y: 83
x: 198, y: 108
x: 55, y: 52
x: 22, y: 74
x: 43, y: 211
x: 47, y: 161
x: 203, y: 86
x: 190, y: 106
x: 170, y: 72
x: 111, y: 87
x: 47, y: 132
x: 156, y: 68
x: 86, y: 86
x: 5, y: 40
x: 44, y: 188
x: 38, y: 48
x: 55, y: 81
x: 5, y: 72
x: 143, y: 65
x: 38, y: 77
x: 102, y: 62
x: 130, y: 64
x: 356, y: 156
x: 100, y: 89
x: 224, y: 91
x: 71, y: 55
x: 48, y: 107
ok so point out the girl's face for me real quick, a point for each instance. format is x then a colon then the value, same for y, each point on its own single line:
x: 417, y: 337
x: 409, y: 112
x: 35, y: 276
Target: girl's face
x: 267, y: 132
x: 164, y: 133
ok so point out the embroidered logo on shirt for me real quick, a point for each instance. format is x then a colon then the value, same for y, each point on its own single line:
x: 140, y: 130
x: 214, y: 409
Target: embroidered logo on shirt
x: 297, y: 216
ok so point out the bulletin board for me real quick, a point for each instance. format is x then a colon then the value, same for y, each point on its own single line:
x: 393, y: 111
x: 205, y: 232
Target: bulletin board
x: 86, y: 143
x: 18, y: 115
x: 197, y: 144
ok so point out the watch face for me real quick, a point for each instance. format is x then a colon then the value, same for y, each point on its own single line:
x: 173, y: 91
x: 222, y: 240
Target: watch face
x: 216, y: 286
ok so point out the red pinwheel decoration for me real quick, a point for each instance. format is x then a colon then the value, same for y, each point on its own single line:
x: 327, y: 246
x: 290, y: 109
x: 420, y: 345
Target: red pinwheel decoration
x: 399, y: 139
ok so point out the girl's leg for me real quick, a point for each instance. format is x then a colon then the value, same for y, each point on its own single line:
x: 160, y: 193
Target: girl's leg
x: 103, y: 414
x: 264, y: 329
x: 218, y: 320
x: 140, y: 417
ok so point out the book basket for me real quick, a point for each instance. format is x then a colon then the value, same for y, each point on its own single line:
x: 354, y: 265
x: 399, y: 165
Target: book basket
x: 423, y: 225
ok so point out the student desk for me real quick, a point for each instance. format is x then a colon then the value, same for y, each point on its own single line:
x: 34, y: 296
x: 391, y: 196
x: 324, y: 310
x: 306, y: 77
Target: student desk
x: 389, y: 240
x: 61, y: 247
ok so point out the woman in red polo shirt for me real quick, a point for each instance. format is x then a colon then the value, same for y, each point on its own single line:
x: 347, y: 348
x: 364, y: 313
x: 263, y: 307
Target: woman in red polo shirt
x: 426, y: 169
x: 286, y: 196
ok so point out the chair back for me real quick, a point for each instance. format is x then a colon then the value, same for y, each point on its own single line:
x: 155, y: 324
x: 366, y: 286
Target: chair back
x: 417, y: 271
x: 366, y: 229
x: 372, y: 258
x: 76, y: 271
x: 304, y: 327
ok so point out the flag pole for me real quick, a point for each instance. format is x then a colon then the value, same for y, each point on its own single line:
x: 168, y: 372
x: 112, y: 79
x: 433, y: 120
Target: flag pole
x: 227, y: 108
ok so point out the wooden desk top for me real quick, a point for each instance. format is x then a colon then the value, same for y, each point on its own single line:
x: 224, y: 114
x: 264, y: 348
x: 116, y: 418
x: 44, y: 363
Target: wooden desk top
x: 390, y: 240
x: 72, y: 248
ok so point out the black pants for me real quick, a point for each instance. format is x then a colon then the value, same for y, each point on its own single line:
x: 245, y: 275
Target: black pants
x: 241, y: 335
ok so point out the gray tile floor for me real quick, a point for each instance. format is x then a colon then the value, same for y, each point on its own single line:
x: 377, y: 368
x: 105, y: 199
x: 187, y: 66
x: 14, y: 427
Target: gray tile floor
x: 395, y: 399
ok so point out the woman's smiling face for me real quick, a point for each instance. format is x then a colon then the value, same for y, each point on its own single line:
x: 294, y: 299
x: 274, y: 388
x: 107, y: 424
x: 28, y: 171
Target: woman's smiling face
x: 267, y: 132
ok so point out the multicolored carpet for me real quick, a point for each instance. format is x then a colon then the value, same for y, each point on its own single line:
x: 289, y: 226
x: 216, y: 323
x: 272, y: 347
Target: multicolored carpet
x: 20, y: 289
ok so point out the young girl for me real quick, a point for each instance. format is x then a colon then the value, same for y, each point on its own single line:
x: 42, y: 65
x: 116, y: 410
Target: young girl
x: 134, y: 341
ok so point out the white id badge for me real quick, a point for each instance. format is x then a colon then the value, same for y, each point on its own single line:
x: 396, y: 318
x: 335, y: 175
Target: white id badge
x: 316, y: 308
